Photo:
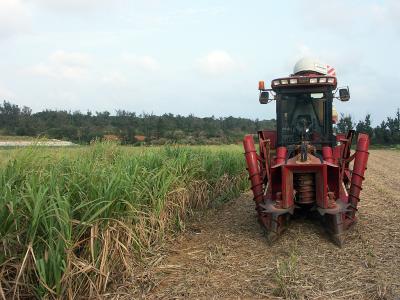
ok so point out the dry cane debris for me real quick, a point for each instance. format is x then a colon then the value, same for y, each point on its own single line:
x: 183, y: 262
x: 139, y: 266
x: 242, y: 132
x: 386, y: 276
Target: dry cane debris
x: 224, y: 254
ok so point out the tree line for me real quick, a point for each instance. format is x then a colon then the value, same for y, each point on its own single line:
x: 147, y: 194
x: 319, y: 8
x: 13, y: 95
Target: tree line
x: 386, y: 133
x: 132, y: 128
x: 128, y: 127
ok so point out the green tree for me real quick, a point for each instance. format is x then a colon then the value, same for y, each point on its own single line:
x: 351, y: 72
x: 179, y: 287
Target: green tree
x: 345, y: 123
x: 365, y: 126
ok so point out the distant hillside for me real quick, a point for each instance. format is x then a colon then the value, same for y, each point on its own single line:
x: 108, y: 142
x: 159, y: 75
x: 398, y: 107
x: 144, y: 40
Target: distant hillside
x: 128, y: 127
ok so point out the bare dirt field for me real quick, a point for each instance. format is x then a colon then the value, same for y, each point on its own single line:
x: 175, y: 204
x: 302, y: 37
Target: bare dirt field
x: 224, y: 254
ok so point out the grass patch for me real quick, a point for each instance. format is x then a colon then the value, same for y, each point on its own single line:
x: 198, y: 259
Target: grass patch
x: 73, y: 220
x: 287, y: 277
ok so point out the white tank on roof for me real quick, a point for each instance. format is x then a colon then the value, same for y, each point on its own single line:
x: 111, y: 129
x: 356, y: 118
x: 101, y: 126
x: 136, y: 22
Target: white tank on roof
x: 310, y: 65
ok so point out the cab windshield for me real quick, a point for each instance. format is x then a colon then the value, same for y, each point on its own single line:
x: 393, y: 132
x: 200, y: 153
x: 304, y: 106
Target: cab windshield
x: 302, y: 116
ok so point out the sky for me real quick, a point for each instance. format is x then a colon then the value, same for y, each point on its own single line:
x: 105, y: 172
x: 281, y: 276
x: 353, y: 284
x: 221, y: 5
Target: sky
x: 193, y: 57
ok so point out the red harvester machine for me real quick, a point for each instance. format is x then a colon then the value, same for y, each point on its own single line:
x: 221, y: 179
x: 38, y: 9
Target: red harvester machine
x: 302, y: 166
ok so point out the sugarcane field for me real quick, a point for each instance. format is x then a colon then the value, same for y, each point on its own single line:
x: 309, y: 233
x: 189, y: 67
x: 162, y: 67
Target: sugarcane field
x: 199, y: 150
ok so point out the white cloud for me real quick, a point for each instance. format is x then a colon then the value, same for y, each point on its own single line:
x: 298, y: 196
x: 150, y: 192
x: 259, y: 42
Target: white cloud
x: 168, y: 17
x: 63, y: 65
x: 218, y: 62
x: 115, y: 78
x: 386, y: 13
x: 5, y: 93
x: 145, y: 62
x: 212, y: 11
x: 189, y: 14
x: 77, y: 6
x: 330, y: 14
x: 64, y: 96
x: 63, y: 5
x: 14, y: 18
x: 345, y: 17
x: 70, y: 58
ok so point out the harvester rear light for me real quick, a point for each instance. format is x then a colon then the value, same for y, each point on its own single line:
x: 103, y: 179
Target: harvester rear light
x: 322, y: 80
x: 293, y: 81
x: 313, y: 80
x: 284, y: 81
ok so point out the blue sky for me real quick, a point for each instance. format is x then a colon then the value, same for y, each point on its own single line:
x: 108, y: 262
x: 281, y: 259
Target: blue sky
x: 200, y: 57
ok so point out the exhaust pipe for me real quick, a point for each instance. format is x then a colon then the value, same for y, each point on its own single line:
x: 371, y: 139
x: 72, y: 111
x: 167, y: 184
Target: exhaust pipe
x: 360, y: 165
x: 253, y: 168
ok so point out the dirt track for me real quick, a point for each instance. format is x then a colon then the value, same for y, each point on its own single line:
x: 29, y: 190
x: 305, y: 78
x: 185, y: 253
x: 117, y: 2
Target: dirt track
x: 225, y: 255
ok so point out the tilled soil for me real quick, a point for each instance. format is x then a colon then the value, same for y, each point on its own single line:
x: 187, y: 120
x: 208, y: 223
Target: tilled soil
x: 224, y: 254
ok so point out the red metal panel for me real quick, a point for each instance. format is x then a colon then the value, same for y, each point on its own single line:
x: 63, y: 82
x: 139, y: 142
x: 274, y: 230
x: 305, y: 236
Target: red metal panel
x: 327, y: 153
x: 333, y: 180
x: 337, y: 152
x: 321, y: 181
x: 269, y: 135
x: 340, y: 136
x: 281, y: 153
x: 276, y: 181
x: 360, y: 165
x: 253, y: 168
x: 322, y: 187
x: 287, y: 187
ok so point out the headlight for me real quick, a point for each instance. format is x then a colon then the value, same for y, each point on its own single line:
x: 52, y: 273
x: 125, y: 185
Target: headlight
x: 284, y: 81
x: 293, y: 81
x: 313, y: 80
x: 331, y: 80
x: 277, y: 82
x: 322, y: 80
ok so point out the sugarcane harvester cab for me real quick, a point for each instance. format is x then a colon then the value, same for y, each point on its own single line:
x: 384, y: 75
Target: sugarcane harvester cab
x: 302, y: 165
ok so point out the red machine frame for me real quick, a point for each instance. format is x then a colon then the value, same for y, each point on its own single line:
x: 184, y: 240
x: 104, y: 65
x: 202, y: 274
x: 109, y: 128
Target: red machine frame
x: 337, y: 187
